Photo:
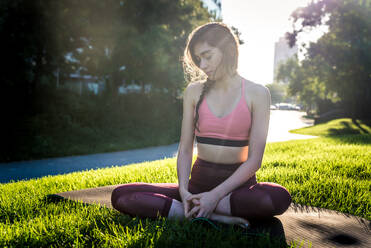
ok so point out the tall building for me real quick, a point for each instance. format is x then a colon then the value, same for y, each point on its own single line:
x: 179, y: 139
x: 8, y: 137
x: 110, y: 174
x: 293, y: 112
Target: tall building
x: 282, y: 52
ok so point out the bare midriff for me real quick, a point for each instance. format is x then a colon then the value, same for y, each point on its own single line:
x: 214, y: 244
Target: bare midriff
x: 222, y: 154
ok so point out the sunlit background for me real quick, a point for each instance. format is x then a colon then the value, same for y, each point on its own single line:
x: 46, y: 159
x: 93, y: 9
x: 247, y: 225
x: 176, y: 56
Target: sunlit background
x: 88, y: 77
x: 262, y: 24
x: 92, y: 84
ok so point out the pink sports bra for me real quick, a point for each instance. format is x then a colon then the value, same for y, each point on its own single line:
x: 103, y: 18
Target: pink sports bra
x: 232, y: 129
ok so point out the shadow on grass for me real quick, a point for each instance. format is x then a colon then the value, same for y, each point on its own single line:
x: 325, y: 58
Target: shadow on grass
x: 356, y: 139
x: 350, y: 134
x: 365, y: 122
x: 348, y: 129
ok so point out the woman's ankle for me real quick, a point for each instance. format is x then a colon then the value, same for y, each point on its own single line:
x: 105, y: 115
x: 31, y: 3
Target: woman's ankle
x: 227, y: 219
x: 176, y: 210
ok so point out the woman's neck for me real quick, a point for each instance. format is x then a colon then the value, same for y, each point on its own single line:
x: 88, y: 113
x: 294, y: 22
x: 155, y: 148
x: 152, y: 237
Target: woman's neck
x: 227, y: 83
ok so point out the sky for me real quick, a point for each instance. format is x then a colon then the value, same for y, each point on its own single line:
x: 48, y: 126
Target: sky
x: 261, y: 23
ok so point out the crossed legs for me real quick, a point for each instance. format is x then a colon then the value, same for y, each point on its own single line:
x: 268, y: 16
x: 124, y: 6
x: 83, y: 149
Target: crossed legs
x: 177, y: 212
x: 145, y: 199
x: 151, y: 200
x: 262, y: 200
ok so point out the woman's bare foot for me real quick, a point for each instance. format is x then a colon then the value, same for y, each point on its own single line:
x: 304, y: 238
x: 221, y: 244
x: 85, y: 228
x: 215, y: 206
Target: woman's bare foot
x: 230, y: 220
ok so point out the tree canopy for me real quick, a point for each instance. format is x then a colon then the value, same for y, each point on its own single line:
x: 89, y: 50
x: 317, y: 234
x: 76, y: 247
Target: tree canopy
x: 336, y: 68
x: 115, y: 40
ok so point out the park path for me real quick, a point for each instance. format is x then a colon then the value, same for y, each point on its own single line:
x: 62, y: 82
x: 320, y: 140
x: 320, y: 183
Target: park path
x: 280, y: 123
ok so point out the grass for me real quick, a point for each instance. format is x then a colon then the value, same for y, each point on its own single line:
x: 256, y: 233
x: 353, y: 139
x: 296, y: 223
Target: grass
x: 325, y: 172
x: 337, y: 127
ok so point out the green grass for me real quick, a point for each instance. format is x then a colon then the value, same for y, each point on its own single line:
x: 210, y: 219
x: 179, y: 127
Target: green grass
x: 322, y: 172
x: 337, y: 127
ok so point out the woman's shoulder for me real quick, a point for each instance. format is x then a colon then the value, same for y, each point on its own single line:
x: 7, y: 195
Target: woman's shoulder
x: 196, y: 85
x: 255, y: 90
x: 257, y: 94
x: 194, y: 89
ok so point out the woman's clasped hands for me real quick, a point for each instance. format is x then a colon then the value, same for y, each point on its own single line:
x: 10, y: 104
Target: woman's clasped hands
x: 200, y: 205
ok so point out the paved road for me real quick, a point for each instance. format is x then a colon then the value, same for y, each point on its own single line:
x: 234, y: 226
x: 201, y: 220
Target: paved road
x: 280, y: 123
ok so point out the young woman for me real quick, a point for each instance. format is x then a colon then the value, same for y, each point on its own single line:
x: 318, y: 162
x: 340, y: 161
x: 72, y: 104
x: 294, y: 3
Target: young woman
x: 229, y: 117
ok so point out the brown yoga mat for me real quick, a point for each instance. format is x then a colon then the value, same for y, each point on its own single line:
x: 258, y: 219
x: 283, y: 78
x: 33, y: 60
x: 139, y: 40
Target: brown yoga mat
x: 300, y: 223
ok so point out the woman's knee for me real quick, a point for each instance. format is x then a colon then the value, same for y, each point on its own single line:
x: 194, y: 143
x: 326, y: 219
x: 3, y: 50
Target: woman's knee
x: 285, y: 203
x: 251, y: 204
x: 127, y: 203
x: 262, y: 200
x: 121, y: 191
x: 281, y: 199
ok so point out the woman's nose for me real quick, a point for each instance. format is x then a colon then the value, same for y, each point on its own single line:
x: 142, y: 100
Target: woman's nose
x: 203, y: 64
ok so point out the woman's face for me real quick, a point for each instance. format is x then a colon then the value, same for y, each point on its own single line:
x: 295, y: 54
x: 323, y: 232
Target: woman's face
x: 208, y: 58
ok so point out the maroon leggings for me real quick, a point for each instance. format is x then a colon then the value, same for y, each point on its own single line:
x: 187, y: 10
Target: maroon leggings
x: 251, y: 200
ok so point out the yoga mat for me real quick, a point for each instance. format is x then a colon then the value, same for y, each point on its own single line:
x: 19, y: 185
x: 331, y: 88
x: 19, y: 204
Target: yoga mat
x: 300, y: 223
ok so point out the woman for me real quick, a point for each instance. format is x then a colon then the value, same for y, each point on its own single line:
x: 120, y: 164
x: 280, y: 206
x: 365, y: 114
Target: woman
x: 229, y: 116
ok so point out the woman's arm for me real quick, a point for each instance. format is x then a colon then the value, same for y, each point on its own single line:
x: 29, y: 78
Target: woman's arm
x: 185, y: 150
x: 260, y: 109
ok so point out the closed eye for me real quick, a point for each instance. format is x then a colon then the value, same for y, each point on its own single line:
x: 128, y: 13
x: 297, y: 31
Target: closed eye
x: 208, y: 58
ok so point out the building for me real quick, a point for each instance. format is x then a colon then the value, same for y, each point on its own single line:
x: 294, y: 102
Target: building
x: 282, y: 52
x: 84, y: 83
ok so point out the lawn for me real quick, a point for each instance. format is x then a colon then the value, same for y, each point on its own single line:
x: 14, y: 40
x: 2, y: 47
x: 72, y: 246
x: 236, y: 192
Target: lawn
x: 329, y: 172
x: 337, y: 127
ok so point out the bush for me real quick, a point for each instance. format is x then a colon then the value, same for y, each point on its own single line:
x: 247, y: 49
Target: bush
x: 64, y: 123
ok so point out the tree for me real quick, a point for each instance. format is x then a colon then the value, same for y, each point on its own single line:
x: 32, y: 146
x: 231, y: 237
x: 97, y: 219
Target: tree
x: 139, y: 41
x: 278, y: 92
x: 146, y: 37
x: 305, y: 84
x: 36, y: 35
x: 340, y: 60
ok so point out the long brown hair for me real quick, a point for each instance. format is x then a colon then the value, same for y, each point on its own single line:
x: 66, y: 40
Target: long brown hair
x: 218, y: 35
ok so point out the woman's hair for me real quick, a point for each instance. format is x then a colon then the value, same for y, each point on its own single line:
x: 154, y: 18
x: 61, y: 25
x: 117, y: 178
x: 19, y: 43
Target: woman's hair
x: 215, y: 34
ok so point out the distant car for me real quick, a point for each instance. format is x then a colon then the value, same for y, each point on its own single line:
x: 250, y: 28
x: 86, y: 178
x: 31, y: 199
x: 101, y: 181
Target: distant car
x: 283, y: 106
x: 287, y: 106
x: 273, y: 107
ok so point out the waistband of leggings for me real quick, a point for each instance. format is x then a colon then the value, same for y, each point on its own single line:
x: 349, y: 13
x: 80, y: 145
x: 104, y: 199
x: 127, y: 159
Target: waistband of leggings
x: 201, y: 162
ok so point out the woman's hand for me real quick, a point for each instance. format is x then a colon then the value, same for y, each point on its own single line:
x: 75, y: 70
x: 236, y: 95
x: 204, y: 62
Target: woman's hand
x: 188, y: 205
x: 207, y: 204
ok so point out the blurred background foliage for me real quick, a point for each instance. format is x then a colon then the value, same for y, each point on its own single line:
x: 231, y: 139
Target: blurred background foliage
x: 336, y: 71
x: 117, y: 42
x: 121, y: 43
